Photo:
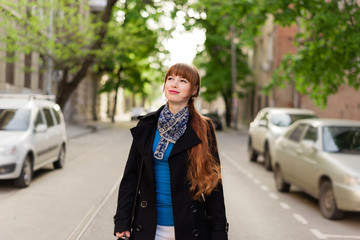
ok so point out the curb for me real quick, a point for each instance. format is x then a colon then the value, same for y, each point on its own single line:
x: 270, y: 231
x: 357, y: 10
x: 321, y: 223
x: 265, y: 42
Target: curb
x: 79, y: 130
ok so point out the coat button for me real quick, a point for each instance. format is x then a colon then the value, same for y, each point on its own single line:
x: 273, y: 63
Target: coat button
x: 193, y: 209
x: 143, y: 204
x: 138, y: 228
x: 195, y: 233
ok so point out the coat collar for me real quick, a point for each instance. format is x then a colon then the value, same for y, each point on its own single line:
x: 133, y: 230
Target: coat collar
x: 144, y: 134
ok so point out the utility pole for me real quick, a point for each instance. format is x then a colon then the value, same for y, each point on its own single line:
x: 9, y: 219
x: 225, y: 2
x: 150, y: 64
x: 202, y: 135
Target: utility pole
x: 234, y: 77
x: 49, y: 61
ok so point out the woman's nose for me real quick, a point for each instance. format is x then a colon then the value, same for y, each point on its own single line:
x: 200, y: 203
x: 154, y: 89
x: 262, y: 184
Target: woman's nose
x: 175, y: 83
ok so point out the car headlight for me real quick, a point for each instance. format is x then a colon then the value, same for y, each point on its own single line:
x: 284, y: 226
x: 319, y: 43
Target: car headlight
x: 8, y: 150
x: 352, y: 180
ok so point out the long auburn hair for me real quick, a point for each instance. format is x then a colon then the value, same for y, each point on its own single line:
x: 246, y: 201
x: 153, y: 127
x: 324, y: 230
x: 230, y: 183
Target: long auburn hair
x: 203, y: 169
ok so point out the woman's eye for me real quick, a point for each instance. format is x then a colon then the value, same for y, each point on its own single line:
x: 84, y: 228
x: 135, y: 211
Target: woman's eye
x: 184, y: 80
x: 170, y: 78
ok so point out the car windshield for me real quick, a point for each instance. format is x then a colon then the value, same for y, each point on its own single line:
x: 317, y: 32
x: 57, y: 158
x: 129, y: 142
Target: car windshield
x: 14, y: 119
x: 341, y: 139
x: 285, y: 119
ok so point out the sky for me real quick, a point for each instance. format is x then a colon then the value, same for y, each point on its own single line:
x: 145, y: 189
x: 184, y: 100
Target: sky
x: 183, y: 46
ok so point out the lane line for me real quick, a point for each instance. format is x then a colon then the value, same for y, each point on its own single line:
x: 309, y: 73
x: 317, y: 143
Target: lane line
x: 285, y: 206
x: 300, y: 218
x: 273, y: 196
x: 318, y: 234
x: 256, y: 181
x: 90, y: 216
x: 264, y: 188
x: 321, y: 235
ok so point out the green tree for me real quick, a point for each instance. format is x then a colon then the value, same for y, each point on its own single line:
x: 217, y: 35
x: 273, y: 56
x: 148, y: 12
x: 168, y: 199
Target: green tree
x: 218, y: 18
x: 328, y: 49
x: 60, y: 30
x: 129, y: 46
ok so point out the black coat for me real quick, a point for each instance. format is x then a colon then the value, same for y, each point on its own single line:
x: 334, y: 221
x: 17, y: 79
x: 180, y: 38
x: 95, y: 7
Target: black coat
x: 203, y: 220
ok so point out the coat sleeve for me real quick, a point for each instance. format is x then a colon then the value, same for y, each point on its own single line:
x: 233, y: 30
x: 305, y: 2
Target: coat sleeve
x: 127, y: 189
x: 215, y: 205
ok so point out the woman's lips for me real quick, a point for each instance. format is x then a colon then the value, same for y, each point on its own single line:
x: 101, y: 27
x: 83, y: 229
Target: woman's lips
x: 173, y: 92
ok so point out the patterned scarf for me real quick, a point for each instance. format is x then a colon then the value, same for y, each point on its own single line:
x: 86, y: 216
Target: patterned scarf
x: 171, y: 127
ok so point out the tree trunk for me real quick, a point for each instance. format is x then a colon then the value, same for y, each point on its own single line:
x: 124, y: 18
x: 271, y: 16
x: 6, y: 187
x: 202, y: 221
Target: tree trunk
x: 108, y: 105
x: 114, y: 106
x: 94, y: 100
x: 228, y: 111
x: 67, y: 88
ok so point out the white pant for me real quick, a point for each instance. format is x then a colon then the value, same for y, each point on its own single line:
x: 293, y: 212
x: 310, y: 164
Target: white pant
x: 165, y: 233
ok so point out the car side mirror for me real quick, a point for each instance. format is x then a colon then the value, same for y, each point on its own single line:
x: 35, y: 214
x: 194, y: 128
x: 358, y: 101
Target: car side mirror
x: 40, y: 128
x: 263, y: 123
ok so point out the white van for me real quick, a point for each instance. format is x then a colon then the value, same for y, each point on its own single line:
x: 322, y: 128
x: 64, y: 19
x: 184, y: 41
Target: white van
x: 32, y: 135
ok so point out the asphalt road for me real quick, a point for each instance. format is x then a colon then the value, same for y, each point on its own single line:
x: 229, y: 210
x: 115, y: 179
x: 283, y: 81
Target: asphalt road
x: 78, y: 202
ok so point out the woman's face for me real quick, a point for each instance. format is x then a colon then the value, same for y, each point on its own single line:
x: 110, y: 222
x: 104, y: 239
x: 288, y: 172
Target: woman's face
x: 178, y: 90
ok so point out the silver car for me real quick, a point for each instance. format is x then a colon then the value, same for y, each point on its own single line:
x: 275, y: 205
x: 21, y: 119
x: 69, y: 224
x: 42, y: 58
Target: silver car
x: 32, y: 135
x: 321, y: 157
x: 268, y: 125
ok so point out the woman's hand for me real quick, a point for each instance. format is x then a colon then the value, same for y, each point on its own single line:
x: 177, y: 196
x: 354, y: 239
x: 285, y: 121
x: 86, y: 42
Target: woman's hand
x: 122, y: 234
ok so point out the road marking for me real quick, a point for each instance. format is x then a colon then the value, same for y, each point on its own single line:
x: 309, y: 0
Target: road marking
x: 318, y: 234
x: 264, y: 188
x: 256, y: 181
x: 285, y: 205
x: 91, y: 214
x: 321, y: 235
x: 250, y: 175
x: 273, y: 196
x: 300, y: 218
x: 233, y: 162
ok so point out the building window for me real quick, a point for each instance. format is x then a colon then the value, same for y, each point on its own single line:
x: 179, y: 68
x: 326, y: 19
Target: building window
x: 41, y: 72
x: 266, y: 100
x: 259, y: 102
x: 10, y: 65
x: 27, y: 75
x: 269, y: 52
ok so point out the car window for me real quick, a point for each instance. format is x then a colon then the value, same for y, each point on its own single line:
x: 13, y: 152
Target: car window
x: 39, y: 118
x: 295, y: 135
x: 48, y: 117
x: 56, y: 111
x: 14, y: 119
x: 264, y: 116
x: 344, y: 139
x: 311, y: 134
x: 286, y: 119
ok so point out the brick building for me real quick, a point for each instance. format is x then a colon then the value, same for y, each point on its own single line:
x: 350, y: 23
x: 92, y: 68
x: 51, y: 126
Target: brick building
x: 273, y: 43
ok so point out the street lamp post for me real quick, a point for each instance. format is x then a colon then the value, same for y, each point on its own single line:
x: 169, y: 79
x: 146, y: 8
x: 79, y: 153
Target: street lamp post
x: 49, y: 61
x: 233, y: 77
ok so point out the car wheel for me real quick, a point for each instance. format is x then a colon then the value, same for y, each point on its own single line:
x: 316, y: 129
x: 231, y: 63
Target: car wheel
x: 61, y: 160
x: 267, y: 158
x: 251, y: 152
x: 327, y: 202
x: 281, y: 185
x: 26, y: 174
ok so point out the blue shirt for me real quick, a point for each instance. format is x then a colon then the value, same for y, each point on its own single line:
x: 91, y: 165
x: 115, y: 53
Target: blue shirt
x: 163, y: 188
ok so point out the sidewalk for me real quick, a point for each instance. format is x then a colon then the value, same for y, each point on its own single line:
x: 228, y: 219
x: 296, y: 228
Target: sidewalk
x: 81, y: 129
x: 241, y: 130
x: 78, y: 130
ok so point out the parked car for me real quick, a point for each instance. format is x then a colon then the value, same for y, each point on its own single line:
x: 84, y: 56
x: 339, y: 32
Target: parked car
x: 32, y: 135
x: 268, y: 125
x: 322, y: 157
x: 215, y: 118
x: 137, y: 112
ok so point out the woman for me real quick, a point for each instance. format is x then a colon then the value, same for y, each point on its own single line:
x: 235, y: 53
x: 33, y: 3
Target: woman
x: 180, y: 192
